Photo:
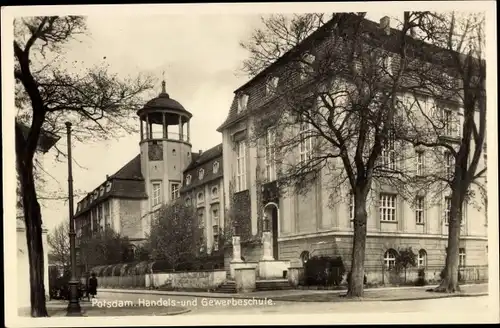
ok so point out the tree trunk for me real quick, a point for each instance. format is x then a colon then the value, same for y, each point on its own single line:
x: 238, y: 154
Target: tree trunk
x: 356, y: 283
x: 33, y: 220
x: 449, y: 284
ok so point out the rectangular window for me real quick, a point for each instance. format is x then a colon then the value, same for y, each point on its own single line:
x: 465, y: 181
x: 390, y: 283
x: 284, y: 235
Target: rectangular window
x: 156, y: 194
x: 420, y: 163
x: 215, y: 216
x: 107, y: 214
x: 270, y: 155
x: 419, y: 210
x: 461, y: 257
x: 388, y: 207
x: 351, y: 206
x: 450, y: 124
x: 389, y: 154
x: 306, y: 142
x: 174, y: 191
x: 241, y: 177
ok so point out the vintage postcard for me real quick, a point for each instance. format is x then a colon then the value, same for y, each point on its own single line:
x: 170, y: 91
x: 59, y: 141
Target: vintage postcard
x: 279, y: 163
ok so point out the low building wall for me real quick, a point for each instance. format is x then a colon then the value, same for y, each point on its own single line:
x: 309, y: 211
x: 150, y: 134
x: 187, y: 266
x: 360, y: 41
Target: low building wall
x: 193, y: 279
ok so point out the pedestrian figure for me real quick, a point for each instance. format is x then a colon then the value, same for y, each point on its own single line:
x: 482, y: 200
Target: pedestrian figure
x: 93, y: 285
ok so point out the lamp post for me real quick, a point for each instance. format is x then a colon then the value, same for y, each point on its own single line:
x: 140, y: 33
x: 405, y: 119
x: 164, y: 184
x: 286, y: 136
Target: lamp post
x: 74, y: 308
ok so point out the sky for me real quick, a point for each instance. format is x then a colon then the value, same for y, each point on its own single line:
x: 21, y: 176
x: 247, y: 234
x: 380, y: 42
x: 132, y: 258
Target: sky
x: 200, y: 55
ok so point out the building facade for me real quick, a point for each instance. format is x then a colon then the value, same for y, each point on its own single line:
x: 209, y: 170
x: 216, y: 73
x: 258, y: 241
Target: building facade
x: 304, y: 225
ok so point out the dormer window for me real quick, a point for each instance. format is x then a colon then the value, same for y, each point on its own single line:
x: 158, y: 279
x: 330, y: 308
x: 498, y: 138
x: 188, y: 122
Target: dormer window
x: 108, y: 186
x: 272, y: 85
x: 307, y: 66
x: 216, y: 167
x: 101, y: 191
x: 188, y: 180
x: 242, y: 102
x: 201, y: 173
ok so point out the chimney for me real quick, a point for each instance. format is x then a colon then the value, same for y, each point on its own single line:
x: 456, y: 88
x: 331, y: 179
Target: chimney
x: 107, y: 177
x: 385, y: 24
x: 200, y: 151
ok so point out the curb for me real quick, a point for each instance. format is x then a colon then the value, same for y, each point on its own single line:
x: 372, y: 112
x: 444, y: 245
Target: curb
x: 85, y: 314
x: 258, y: 297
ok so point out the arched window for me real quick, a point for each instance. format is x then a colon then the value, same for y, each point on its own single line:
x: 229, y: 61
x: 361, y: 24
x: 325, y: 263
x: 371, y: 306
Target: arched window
x: 188, y: 201
x: 422, y: 258
x: 188, y: 180
x: 304, y: 257
x: 201, y: 173
x: 200, y: 197
x: 390, y: 259
x: 173, y: 152
x: 216, y: 167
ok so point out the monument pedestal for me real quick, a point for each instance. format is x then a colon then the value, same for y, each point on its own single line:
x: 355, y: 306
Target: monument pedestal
x: 245, y: 280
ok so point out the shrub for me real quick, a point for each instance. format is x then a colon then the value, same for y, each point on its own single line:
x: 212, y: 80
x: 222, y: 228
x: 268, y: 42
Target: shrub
x: 421, y: 278
x: 322, y: 270
x: 441, y: 275
x: 162, y: 266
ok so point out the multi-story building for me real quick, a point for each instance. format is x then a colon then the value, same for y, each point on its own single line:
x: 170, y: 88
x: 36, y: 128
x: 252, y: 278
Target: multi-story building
x: 309, y: 224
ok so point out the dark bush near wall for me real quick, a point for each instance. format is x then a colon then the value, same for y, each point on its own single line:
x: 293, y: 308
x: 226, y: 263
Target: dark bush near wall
x: 324, y: 271
x: 421, y: 278
x: 162, y: 266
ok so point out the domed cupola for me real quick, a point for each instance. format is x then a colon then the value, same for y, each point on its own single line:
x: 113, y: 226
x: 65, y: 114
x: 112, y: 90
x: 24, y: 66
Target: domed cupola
x: 163, y: 112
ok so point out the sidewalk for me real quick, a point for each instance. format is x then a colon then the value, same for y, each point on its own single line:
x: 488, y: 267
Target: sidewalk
x: 299, y: 295
x: 57, y: 308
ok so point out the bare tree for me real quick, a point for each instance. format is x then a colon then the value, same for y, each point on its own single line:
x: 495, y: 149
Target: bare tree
x: 337, y: 103
x: 47, y: 94
x: 58, y: 240
x: 176, y: 235
x: 448, y: 120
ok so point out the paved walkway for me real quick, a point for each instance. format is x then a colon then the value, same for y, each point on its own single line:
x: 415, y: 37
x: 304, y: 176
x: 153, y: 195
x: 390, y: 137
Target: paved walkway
x: 301, y: 295
x: 57, y: 308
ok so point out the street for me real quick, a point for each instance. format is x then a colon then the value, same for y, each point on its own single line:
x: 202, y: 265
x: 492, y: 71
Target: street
x: 201, y: 305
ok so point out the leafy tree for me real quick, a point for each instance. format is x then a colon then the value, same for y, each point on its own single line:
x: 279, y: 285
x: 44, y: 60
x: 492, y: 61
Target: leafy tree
x: 176, y: 235
x: 48, y: 93
x: 452, y: 128
x: 58, y: 241
x: 105, y: 247
x: 405, y: 258
x: 337, y: 102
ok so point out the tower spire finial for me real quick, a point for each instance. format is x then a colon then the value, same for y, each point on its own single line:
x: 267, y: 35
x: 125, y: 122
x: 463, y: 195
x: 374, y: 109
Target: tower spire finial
x: 163, y: 84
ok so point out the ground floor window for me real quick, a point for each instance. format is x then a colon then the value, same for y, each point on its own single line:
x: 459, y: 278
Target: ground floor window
x: 390, y: 259
x: 422, y: 258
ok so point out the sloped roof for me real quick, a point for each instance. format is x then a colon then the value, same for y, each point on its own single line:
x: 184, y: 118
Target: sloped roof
x: 127, y: 182
x: 206, y: 162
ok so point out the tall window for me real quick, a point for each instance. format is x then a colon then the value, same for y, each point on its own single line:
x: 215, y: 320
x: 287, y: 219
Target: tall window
x: 270, y: 154
x: 449, y: 163
x: 306, y: 142
x: 272, y: 85
x: 174, y: 191
x: 447, y: 209
x: 100, y: 216
x: 422, y: 258
x: 420, y: 163
x: 241, y: 177
x: 215, y: 216
x: 419, y: 210
x: 389, y: 154
x: 107, y: 214
x: 448, y: 122
x: 156, y: 199
x: 387, y: 207
x: 461, y: 257
x: 390, y: 259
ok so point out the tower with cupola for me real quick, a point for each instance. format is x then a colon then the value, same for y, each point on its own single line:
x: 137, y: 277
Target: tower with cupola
x: 165, y: 151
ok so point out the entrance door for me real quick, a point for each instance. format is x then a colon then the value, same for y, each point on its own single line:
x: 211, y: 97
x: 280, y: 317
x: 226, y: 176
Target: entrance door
x: 274, y: 230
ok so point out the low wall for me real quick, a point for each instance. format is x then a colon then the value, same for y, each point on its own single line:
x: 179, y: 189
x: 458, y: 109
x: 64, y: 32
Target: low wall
x: 194, y: 279
x: 137, y: 281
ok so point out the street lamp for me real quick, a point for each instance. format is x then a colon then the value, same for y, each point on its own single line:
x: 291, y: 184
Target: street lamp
x: 74, y: 308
